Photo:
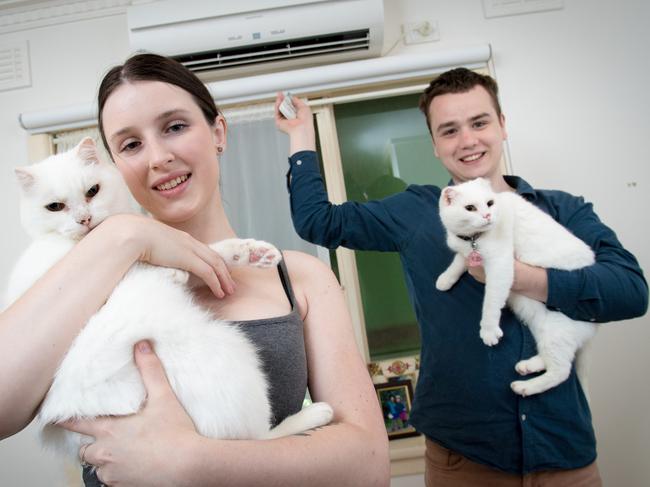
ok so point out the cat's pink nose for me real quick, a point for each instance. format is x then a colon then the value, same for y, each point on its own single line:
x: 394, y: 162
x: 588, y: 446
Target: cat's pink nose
x: 487, y: 216
x: 85, y: 221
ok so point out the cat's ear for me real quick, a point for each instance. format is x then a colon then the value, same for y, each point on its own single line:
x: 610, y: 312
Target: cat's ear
x: 25, y: 178
x: 448, y: 195
x: 87, y: 150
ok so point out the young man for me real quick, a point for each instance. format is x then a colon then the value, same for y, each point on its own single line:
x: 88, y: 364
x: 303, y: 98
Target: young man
x: 478, y: 431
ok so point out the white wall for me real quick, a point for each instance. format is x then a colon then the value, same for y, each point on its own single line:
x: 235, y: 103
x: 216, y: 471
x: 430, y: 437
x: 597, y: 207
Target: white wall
x: 574, y: 91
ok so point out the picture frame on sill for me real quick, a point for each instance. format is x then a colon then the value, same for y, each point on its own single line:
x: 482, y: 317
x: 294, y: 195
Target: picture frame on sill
x: 396, y: 398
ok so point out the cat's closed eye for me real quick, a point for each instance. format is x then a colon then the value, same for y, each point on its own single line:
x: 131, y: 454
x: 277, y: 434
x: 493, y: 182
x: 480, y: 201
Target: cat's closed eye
x: 92, y: 191
x: 56, y: 206
x: 470, y: 208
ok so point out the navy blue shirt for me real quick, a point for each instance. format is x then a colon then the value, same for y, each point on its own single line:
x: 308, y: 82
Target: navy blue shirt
x: 463, y: 398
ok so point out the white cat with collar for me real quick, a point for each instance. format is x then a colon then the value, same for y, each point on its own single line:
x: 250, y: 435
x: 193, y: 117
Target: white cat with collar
x: 493, y: 229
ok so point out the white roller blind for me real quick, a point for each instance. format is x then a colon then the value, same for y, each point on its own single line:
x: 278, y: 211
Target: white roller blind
x: 308, y: 80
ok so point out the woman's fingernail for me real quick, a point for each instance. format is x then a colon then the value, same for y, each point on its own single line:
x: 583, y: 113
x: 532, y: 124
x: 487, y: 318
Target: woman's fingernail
x: 144, y: 347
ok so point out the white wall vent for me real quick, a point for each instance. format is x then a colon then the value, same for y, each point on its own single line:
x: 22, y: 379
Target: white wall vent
x: 342, y: 42
x: 256, y: 35
x: 14, y: 65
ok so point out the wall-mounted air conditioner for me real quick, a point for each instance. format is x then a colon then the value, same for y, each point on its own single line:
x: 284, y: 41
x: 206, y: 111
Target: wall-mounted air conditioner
x: 257, y: 35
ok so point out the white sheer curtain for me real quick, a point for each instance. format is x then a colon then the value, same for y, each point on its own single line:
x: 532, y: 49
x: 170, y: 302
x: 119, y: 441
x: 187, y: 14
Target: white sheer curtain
x: 64, y: 141
x: 253, y: 182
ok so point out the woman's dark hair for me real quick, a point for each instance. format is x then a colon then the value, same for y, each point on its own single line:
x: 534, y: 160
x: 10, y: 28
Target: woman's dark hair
x: 458, y: 80
x: 152, y: 67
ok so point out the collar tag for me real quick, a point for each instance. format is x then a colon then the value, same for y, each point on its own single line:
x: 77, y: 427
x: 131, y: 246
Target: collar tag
x: 475, y: 258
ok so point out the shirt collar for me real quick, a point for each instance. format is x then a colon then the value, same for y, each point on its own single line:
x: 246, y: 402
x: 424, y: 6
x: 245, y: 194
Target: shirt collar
x: 521, y: 187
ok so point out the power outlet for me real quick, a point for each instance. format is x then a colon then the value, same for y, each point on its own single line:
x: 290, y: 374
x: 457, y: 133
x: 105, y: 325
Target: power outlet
x: 420, y: 31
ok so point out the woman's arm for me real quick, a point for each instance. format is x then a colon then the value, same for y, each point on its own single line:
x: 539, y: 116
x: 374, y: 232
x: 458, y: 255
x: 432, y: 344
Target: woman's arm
x: 37, y: 330
x: 352, y: 451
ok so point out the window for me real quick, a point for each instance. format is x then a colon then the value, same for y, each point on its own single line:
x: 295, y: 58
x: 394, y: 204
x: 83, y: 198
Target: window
x: 384, y: 146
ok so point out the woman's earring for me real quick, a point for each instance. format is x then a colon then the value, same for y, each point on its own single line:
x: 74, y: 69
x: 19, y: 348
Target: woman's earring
x: 219, y: 149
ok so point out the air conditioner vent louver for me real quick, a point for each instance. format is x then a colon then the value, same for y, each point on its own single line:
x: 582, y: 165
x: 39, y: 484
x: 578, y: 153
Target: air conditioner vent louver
x: 283, y: 50
x: 251, y: 37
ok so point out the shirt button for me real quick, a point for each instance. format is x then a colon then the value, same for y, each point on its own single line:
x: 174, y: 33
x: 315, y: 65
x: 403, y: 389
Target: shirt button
x: 523, y: 417
x: 298, y: 162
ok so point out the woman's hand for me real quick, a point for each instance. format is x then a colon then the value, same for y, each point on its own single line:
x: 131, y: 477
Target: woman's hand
x: 162, y: 245
x: 300, y: 129
x: 147, y: 448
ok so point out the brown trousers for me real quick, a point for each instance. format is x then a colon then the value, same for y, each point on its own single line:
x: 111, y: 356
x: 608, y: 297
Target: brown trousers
x: 445, y: 468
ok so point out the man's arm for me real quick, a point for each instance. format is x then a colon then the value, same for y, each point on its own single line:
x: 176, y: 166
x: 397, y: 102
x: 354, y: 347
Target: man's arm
x: 531, y: 281
x: 361, y: 226
x: 614, y: 288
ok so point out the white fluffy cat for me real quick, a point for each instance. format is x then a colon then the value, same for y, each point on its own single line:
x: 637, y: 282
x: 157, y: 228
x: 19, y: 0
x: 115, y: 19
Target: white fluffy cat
x: 211, y: 365
x: 493, y: 229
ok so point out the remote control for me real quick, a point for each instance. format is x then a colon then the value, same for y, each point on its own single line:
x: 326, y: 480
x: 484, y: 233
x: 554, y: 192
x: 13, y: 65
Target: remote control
x: 286, y: 107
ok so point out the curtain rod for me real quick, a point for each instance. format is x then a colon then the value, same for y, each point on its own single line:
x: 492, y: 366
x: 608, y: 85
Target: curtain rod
x: 307, y: 80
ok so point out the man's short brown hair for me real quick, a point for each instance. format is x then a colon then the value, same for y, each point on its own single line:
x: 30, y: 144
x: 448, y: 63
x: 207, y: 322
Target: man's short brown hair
x: 458, y: 80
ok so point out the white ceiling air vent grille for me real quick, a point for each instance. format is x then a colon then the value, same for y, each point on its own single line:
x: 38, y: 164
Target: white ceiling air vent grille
x: 14, y: 65
x: 254, y: 36
x: 283, y: 50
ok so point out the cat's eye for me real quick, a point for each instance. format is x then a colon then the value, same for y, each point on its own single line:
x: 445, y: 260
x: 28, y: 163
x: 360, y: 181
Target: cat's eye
x: 470, y: 208
x: 92, y: 191
x: 490, y: 203
x: 56, y: 206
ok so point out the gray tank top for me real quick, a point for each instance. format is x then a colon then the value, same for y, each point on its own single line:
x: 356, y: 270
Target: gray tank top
x: 281, y: 346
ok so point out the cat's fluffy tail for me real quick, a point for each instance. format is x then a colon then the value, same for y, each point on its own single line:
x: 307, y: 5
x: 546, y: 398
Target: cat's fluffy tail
x: 313, y: 416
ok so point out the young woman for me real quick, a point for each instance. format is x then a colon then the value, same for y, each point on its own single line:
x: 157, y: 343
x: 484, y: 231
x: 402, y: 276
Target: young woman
x: 160, y: 124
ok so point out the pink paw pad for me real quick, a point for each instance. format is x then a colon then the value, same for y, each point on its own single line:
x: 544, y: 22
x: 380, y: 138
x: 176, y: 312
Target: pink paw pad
x: 256, y: 254
x: 264, y: 256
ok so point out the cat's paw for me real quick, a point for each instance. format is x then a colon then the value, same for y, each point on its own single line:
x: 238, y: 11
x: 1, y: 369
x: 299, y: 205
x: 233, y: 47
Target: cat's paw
x: 319, y: 414
x: 176, y: 275
x: 444, y: 282
x: 263, y: 254
x: 524, y: 388
x: 530, y: 366
x: 248, y: 252
x: 491, y: 335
